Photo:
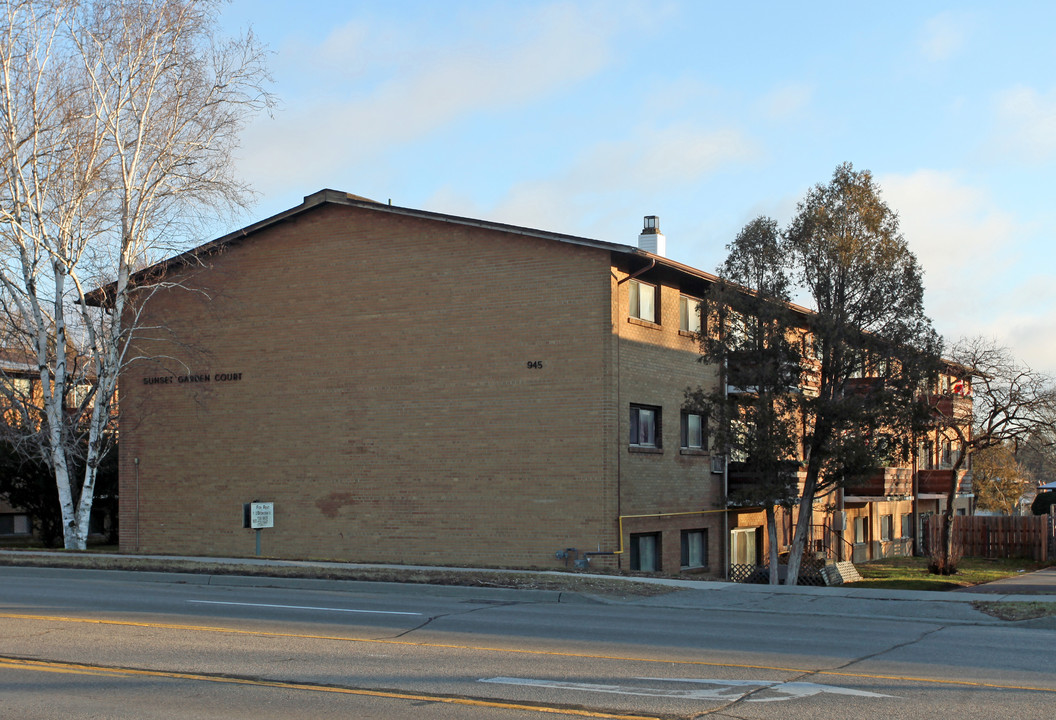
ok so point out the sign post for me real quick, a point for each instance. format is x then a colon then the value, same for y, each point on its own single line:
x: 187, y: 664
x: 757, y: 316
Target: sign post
x: 258, y: 515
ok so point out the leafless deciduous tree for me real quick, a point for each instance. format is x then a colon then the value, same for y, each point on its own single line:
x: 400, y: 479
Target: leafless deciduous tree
x: 118, y: 120
x: 1010, y: 403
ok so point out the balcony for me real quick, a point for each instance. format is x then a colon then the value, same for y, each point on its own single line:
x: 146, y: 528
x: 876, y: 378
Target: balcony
x: 952, y: 406
x: 938, y: 481
x: 888, y: 482
x: 740, y: 481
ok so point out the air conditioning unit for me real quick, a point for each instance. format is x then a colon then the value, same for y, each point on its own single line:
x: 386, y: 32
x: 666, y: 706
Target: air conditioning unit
x: 839, y: 521
x: 718, y: 464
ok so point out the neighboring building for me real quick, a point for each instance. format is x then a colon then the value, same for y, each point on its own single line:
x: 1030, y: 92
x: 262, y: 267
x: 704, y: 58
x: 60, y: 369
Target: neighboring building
x: 19, y: 385
x: 21, y: 402
x: 880, y: 516
x: 412, y: 387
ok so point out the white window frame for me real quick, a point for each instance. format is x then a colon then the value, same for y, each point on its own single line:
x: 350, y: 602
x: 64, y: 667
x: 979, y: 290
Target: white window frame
x: 744, y: 548
x: 861, y: 530
x: 689, y: 315
x: 642, y: 301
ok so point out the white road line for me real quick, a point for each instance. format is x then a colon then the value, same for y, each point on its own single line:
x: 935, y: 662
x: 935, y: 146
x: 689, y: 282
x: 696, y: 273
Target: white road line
x: 724, y: 690
x: 303, y: 607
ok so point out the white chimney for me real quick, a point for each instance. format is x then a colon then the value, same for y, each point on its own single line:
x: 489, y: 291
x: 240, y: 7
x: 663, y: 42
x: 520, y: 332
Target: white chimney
x: 651, y: 239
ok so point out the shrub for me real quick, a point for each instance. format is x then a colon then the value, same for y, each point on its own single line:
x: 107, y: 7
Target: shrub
x: 937, y: 565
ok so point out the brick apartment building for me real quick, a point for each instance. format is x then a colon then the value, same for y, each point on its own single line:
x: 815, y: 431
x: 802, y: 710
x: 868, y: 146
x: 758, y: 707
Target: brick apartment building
x: 413, y: 387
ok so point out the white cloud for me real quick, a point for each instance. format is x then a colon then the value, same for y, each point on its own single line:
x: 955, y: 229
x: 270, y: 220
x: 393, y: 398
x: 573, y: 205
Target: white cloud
x: 1026, y: 124
x: 520, y: 57
x: 943, y: 36
x: 953, y: 228
x: 975, y: 282
x: 640, y: 166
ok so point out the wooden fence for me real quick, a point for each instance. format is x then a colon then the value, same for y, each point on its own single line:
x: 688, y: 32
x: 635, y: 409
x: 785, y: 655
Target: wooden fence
x: 998, y: 536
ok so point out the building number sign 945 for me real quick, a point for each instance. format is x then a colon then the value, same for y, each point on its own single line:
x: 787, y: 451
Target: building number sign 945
x: 535, y: 364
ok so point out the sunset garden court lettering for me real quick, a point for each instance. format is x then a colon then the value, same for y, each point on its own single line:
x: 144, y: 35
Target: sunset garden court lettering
x: 196, y: 378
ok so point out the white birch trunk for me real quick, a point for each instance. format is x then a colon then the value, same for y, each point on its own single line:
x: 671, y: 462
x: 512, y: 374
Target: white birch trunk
x: 118, y: 120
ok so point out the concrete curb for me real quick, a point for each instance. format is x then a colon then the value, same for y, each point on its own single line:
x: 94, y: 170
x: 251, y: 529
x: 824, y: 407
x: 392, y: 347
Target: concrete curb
x: 702, y: 594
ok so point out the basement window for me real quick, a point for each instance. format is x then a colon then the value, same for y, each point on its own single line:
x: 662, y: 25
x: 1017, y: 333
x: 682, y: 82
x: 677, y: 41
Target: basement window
x: 645, y: 552
x: 694, y: 549
x: 15, y: 524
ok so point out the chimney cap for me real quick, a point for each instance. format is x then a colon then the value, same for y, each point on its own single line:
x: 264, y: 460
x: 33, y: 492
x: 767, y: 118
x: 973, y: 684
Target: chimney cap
x: 651, y: 225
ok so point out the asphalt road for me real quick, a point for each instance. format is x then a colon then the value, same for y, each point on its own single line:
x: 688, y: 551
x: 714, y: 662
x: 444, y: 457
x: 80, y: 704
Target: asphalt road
x: 120, y: 645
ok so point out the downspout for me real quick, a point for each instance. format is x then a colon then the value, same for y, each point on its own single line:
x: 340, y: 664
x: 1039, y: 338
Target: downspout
x: 840, y: 508
x: 135, y: 461
x: 914, y: 526
x: 725, y: 481
x: 647, y: 268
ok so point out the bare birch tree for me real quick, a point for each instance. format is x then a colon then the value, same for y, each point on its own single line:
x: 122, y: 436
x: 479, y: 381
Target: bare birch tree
x: 118, y: 120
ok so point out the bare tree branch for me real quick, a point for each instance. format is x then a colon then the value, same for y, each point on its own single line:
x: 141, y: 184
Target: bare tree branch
x: 118, y: 122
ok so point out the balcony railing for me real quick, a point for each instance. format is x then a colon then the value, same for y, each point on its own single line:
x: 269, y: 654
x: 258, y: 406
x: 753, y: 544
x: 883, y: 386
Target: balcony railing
x: 740, y: 480
x: 889, y: 482
x: 938, y: 481
x: 951, y: 406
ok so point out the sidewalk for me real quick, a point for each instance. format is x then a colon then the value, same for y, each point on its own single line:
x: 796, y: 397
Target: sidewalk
x: 910, y: 605
x: 1040, y: 582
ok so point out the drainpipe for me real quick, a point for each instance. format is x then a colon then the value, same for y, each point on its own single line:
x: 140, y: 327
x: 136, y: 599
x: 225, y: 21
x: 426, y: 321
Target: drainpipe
x: 135, y: 461
x: 914, y: 526
x: 725, y: 482
x: 647, y: 268
x: 840, y: 509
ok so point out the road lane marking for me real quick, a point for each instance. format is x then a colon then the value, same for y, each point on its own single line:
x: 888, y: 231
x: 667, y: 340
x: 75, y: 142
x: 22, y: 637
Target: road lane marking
x: 304, y: 607
x: 521, y: 651
x: 715, y: 690
x: 78, y: 669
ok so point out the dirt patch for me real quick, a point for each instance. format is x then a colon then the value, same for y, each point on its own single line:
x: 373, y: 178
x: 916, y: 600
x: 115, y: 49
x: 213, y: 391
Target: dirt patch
x: 1013, y: 611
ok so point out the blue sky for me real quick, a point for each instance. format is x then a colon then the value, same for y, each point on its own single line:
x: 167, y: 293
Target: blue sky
x: 582, y: 117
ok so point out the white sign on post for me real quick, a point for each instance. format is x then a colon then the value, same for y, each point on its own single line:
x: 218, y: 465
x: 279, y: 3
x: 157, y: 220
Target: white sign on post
x: 261, y: 515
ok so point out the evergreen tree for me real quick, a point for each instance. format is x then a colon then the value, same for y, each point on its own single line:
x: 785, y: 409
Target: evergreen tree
x: 873, y: 343
x: 757, y: 346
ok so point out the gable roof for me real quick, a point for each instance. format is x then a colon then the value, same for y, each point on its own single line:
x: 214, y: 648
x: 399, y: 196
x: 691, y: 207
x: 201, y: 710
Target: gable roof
x: 100, y: 296
x: 323, y: 197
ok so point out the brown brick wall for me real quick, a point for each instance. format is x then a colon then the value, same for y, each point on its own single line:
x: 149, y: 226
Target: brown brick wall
x: 384, y: 399
x: 411, y: 390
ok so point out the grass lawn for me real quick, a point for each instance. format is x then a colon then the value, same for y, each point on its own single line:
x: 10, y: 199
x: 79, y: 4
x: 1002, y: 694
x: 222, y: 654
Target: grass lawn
x: 911, y: 573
